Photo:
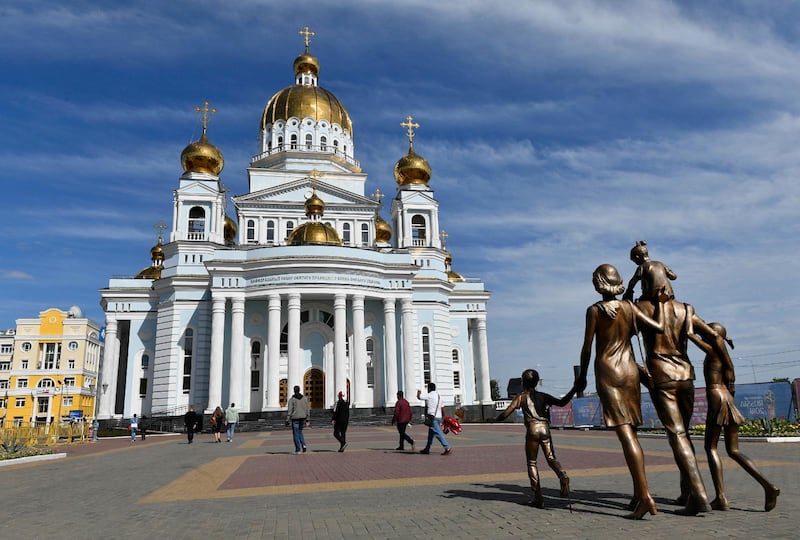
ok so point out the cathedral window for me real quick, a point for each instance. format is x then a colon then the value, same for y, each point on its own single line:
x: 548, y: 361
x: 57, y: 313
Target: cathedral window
x: 197, y: 223
x: 293, y: 141
x: 346, y: 234
x: 426, y: 354
x: 145, y: 361
x: 336, y: 146
x: 188, y: 349
x: 280, y: 143
x: 323, y: 143
x: 251, y: 230
x: 255, y: 366
x: 309, y: 142
x: 364, y: 234
x: 370, y: 363
x: 289, y: 228
x: 418, y: 230
x: 270, y: 231
x: 143, y: 387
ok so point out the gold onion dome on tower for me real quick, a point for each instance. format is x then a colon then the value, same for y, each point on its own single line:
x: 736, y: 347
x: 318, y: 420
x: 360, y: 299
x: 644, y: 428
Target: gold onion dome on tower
x: 452, y: 277
x: 156, y: 257
x: 411, y: 168
x: 201, y: 155
x: 306, y: 99
x: 229, y: 230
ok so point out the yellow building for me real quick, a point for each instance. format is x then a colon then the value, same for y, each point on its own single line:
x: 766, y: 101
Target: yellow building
x: 48, y: 368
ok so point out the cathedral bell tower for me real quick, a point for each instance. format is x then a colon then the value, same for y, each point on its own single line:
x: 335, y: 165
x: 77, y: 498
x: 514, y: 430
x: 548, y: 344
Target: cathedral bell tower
x: 199, y: 202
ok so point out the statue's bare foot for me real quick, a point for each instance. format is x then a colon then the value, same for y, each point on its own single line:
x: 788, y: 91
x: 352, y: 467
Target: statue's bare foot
x: 720, y: 503
x: 771, y: 498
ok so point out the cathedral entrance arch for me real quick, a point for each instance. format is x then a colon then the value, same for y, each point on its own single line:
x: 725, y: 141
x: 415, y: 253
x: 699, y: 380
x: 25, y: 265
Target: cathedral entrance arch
x: 314, y: 388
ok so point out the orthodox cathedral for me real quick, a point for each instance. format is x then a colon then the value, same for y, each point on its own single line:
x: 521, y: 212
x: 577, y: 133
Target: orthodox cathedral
x: 308, y: 285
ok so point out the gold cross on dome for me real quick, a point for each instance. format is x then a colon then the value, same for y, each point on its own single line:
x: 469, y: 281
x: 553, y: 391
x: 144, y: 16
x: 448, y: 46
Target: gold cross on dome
x: 378, y: 195
x: 443, y: 235
x: 314, y: 175
x: 160, y: 227
x: 410, y: 124
x: 306, y: 33
x: 205, y: 110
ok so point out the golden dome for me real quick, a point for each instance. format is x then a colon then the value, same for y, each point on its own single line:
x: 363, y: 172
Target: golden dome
x: 157, y: 254
x: 202, y: 156
x: 230, y: 230
x: 452, y: 277
x: 154, y: 270
x: 412, y: 169
x: 299, y: 101
x: 314, y: 205
x: 383, y: 231
x: 314, y: 233
x: 306, y: 63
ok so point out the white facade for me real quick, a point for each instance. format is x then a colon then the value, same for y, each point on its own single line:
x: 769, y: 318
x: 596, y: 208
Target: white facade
x: 244, y: 322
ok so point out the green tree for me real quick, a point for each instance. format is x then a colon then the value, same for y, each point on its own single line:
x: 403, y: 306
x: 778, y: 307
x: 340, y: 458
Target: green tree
x: 495, y: 389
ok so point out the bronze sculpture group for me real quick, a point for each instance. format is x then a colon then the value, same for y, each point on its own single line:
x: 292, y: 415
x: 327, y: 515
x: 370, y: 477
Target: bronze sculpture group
x: 666, y: 325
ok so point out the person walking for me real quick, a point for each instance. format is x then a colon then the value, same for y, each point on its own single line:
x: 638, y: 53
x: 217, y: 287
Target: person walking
x: 95, y: 428
x: 401, y: 418
x: 231, y: 419
x: 297, y: 414
x: 217, y: 419
x: 340, y: 419
x: 434, y: 412
x: 190, y: 422
x: 133, y: 427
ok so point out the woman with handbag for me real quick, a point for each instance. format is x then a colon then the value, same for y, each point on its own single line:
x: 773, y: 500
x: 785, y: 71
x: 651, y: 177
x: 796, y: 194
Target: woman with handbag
x: 434, y: 412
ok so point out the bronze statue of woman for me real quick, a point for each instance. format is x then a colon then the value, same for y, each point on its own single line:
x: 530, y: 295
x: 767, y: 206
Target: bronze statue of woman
x: 612, y: 323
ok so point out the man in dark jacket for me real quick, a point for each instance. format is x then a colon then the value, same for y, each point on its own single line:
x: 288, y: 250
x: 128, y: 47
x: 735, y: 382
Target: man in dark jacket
x: 402, y: 417
x: 190, y: 421
x: 340, y: 419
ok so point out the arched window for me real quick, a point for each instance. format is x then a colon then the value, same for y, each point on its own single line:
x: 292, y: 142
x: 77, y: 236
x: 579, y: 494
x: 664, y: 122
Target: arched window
x: 346, y: 234
x: 145, y: 361
x: 336, y: 146
x: 293, y: 141
x: 289, y: 228
x: 426, y: 354
x: 46, y: 383
x: 370, y: 363
x: 188, y: 348
x: 364, y: 234
x: 280, y: 143
x: 251, y: 230
x: 270, y: 231
x: 309, y: 142
x: 418, y: 233
x: 197, y: 223
x: 323, y: 143
x: 255, y: 366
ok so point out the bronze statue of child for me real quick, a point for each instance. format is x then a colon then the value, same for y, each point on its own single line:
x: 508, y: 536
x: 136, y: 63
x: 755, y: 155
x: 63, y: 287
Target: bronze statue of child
x: 724, y: 415
x: 654, y: 275
x: 536, y: 411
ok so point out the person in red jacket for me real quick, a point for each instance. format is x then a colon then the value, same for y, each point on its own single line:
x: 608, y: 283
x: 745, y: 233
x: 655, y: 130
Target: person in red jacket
x: 402, y: 417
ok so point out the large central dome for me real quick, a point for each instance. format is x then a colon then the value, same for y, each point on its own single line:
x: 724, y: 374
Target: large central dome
x: 301, y: 101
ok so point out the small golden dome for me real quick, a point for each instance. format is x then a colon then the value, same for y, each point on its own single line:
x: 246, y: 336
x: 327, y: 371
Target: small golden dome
x: 314, y: 205
x: 202, y: 156
x: 452, y: 277
x: 306, y: 63
x: 383, y: 231
x: 157, y: 257
x: 412, y: 169
x: 314, y: 233
x: 157, y: 254
x: 229, y: 231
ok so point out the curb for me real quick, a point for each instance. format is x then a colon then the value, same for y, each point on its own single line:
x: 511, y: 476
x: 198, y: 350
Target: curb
x: 29, y: 459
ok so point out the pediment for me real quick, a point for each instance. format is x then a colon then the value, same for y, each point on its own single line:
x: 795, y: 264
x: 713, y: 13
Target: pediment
x: 198, y: 188
x: 298, y: 191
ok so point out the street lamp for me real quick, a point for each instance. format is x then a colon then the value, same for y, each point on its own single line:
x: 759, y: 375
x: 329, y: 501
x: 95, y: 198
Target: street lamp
x: 60, y: 389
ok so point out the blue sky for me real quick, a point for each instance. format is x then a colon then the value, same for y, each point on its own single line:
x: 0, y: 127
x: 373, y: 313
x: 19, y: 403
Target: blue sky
x: 559, y: 133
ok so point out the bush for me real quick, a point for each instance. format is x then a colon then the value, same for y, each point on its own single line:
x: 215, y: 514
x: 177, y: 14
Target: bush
x: 761, y: 427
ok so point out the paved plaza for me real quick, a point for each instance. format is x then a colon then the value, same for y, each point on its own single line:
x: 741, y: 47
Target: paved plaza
x: 255, y: 487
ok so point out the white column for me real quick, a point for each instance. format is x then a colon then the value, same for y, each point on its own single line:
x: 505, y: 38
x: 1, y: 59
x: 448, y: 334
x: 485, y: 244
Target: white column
x: 484, y: 388
x: 390, y: 359
x: 273, y: 352
x: 108, y: 388
x: 339, y: 343
x: 236, y: 383
x: 216, y: 353
x: 295, y: 374
x: 360, y: 354
x: 409, y: 363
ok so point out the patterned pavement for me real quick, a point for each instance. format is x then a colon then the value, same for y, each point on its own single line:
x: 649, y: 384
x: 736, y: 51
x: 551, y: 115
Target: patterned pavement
x: 255, y: 487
